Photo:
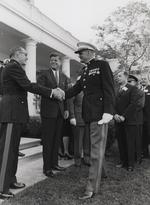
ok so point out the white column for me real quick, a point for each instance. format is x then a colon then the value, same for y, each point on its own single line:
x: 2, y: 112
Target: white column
x: 66, y: 66
x: 31, y: 72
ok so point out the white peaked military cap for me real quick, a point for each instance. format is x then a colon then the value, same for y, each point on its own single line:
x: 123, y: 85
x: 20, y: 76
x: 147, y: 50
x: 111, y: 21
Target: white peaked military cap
x: 85, y: 46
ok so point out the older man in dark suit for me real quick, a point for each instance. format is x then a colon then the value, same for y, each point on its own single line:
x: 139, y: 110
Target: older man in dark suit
x: 13, y: 115
x: 133, y: 80
x: 126, y: 120
x: 98, y: 106
x: 52, y: 114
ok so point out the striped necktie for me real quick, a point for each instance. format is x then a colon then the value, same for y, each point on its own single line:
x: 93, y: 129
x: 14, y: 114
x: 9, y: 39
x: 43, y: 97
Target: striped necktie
x: 57, y: 77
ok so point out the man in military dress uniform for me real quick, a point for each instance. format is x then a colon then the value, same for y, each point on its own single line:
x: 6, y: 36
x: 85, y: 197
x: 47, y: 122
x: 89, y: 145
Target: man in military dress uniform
x: 13, y: 114
x: 98, y: 105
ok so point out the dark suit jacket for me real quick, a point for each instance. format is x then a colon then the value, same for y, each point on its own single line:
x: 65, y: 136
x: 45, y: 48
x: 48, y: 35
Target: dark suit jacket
x: 50, y: 108
x: 147, y: 104
x: 127, y: 104
x: 98, y: 87
x: 140, y: 104
x: 75, y: 109
x: 15, y: 83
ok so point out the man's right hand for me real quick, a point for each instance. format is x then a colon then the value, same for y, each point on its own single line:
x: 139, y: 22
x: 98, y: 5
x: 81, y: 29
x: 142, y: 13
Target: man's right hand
x: 118, y: 118
x: 58, y: 94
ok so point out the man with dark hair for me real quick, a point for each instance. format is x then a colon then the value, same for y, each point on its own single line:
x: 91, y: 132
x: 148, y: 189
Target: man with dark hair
x: 126, y: 120
x: 13, y: 115
x: 52, y: 114
x: 98, y: 105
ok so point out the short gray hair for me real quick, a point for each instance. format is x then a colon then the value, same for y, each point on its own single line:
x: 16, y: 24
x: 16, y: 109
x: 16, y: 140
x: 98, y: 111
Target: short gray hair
x: 14, y: 50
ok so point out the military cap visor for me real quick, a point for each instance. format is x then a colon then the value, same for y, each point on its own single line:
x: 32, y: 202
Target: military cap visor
x: 85, y: 46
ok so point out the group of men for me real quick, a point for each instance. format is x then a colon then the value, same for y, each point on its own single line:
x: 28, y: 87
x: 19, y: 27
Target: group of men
x: 97, y: 85
x: 132, y: 116
x: 100, y: 105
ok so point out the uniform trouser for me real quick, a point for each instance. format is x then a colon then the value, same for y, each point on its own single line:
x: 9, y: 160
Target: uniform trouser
x: 81, y: 142
x: 51, y: 134
x: 9, y: 146
x: 98, y: 137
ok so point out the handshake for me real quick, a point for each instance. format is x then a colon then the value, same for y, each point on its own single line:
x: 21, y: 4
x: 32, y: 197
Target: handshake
x: 58, y: 93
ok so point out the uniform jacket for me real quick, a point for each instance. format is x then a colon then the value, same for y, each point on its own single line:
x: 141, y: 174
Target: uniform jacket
x: 146, y: 108
x: 50, y: 108
x: 15, y: 83
x: 98, y: 87
x: 128, y: 105
x: 75, y: 109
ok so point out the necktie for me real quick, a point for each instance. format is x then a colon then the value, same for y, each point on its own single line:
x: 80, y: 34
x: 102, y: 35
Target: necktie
x: 57, y: 77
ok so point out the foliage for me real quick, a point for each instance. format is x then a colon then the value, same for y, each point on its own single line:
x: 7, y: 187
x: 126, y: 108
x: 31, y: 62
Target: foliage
x: 33, y: 128
x: 125, y: 35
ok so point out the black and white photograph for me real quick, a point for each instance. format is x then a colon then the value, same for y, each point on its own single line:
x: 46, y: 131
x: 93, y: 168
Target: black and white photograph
x: 74, y: 102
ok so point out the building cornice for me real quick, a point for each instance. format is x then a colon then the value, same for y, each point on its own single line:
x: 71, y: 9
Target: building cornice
x: 30, y: 18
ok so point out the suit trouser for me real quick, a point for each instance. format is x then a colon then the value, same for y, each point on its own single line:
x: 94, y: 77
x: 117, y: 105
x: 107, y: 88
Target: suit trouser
x: 81, y: 142
x: 9, y: 146
x: 98, y: 137
x: 138, y: 142
x: 146, y: 138
x: 51, y: 134
x: 122, y: 143
x: 126, y: 136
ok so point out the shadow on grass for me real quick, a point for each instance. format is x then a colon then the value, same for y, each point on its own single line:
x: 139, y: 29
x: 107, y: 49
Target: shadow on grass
x: 120, y: 188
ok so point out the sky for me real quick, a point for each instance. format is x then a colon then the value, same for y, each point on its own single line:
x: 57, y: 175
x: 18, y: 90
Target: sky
x: 78, y: 16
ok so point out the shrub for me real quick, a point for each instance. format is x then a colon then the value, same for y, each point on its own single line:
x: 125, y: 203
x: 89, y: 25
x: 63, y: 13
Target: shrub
x: 33, y: 128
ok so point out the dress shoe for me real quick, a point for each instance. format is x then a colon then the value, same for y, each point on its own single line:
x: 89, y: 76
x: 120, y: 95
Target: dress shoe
x: 87, y: 195
x: 20, y: 154
x: 49, y: 173
x: 17, y: 185
x: 130, y: 169
x: 68, y: 156
x: 121, y: 165
x: 6, y: 195
x: 86, y: 162
x: 58, y: 168
x: 139, y: 161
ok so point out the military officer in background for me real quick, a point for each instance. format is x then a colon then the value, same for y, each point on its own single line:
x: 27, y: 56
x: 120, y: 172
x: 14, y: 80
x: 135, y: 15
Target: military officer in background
x: 98, y: 105
x: 146, y: 120
x: 13, y: 115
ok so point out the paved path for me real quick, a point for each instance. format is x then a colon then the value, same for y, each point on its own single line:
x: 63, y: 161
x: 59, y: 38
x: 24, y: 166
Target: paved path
x: 31, y: 171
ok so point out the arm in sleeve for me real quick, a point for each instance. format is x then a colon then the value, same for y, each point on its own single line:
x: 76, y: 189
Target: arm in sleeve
x: 20, y: 77
x: 74, y: 90
x: 108, y: 88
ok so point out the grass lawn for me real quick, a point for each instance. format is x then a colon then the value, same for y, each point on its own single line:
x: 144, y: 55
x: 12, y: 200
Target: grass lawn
x: 120, y: 188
